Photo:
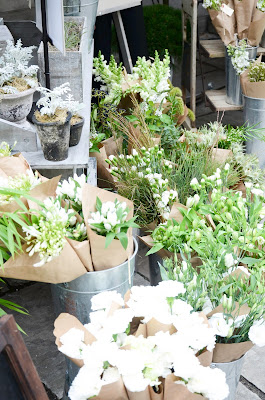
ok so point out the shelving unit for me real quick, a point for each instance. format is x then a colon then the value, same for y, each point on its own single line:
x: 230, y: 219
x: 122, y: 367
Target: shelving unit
x: 216, y: 98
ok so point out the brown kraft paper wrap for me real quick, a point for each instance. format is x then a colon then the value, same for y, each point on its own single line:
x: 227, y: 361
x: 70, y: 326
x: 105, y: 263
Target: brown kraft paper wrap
x: 14, y: 165
x: 252, y: 89
x: 144, y: 395
x: 224, y: 25
x: 221, y: 155
x: 159, y: 395
x: 64, y: 268
x: 115, y: 390
x: 205, y: 358
x: 153, y: 326
x: 227, y: 352
x: 256, y: 27
x: 82, y: 249
x: 174, y: 391
x: 63, y: 324
x: 112, y: 145
x: 115, y: 254
x: 244, y: 12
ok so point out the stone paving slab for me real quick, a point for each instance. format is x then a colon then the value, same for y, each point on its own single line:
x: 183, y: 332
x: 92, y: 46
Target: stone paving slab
x: 245, y: 394
x: 254, y: 367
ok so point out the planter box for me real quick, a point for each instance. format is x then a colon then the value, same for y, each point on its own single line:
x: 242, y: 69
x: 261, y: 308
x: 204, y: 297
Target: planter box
x: 72, y: 68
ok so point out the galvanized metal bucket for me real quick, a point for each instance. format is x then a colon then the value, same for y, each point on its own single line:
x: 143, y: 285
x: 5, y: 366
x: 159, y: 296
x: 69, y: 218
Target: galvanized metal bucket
x: 233, y: 86
x: 232, y: 371
x: 83, y: 8
x: 254, y: 114
x: 154, y: 269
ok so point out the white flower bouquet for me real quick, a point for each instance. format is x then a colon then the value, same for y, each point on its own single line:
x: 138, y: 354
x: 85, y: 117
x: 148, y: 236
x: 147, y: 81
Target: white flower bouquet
x: 233, y: 303
x: 154, y: 348
x: 252, y: 80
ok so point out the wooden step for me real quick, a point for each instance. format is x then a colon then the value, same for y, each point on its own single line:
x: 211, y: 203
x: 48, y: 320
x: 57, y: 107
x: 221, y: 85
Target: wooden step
x: 216, y: 99
x: 216, y: 49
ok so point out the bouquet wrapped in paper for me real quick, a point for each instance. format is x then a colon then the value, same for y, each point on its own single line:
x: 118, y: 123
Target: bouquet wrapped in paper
x: 242, y: 19
x: 253, y: 80
x: 154, y: 348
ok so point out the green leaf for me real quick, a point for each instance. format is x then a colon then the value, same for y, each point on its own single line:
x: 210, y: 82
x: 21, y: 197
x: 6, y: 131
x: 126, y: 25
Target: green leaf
x: 131, y: 118
x: 250, y: 261
x: 109, y: 237
x: 163, y: 273
x: 98, y: 204
x: 123, y: 238
x: 165, y: 118
x: 155, y: 249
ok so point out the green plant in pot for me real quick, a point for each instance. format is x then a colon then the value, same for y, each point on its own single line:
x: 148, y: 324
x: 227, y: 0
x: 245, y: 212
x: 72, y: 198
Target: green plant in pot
x: 18, y: 82
x: 52, y: 121
x: 77, y: 121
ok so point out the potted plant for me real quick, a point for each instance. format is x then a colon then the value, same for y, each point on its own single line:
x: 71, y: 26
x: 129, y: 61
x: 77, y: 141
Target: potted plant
x: 18, y: 82
x: 52, y: 120
x: 77, y: 121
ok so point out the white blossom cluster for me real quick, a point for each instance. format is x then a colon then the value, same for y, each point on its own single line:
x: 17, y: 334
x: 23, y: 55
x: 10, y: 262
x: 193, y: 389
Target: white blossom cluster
x: 212, y: 4
x: 46, y: 236
x: 22, y: 182
x: 110, y: 216
x: 239, y: 56
x: 14, y: 63
x: 143, y: 361
x: 71, y: 189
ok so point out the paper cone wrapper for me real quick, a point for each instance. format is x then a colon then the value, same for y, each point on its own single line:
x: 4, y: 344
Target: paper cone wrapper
x: 82, y: 249
x: 252, y: 89
x: 115, y: 391
x: 240, y: 187
x: 221, y: 155
x: 175, y: 212
x: 141, y: 330
x: 145, y: 230
x: 243, y: 310
x: 64, y: 268
x: 115, y: 254
x: 174, y: 391
x: 244, y: 10
x: 224, y: 25
x: 112, y: 145
x: 104, y: 177
x: 159, y: 395
x: 206, y: 358
x: 256, y: 28
x: 148, y: 241
x: 63, y: 324
x: 14, y: 165
x: 223, y: 353
x: 153, y: 326
x: 144, y: 395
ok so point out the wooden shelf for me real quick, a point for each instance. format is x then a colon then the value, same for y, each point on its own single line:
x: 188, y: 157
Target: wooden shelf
x: 216, y: 49
x: 216, y: 99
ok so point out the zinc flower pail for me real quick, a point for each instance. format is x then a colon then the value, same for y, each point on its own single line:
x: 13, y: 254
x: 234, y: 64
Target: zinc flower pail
x: 232, y: 371
x: 75, y: 297
x: 233, y: 86
x: 83, y: 8
x: 254, y: 114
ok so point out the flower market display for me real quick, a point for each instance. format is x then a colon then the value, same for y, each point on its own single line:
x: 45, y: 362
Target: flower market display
x: 153, y: 348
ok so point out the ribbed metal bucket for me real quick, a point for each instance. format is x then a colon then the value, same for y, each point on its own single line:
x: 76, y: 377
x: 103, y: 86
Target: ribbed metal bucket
x: 233, y: 371
x: 154, y: 269
x: 254, y: 114
x: 233, y: 86
x: 83, y: 8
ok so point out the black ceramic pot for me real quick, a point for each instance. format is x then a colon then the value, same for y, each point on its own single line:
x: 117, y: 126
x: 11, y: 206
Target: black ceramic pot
x: 76, y: 132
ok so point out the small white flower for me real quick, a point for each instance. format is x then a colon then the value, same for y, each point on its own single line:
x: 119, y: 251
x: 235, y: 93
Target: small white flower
x: 257, y: 333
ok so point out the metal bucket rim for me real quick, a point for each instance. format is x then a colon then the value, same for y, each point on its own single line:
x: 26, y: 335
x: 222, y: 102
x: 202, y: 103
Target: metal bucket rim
x: 230, y: 362
x: 253, y: 98
x: 118, y: 266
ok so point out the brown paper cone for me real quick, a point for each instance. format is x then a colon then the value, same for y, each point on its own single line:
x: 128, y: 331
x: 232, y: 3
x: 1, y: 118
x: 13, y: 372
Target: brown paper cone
x: 244, y: 10
x: 141, y: 330
x: 243, y: 310
x: 112, y: 145
x: 174, y: 391
x: 175, y: 212
x: 115, y: 390
x: 206, y: 358
x: 252, y: 89
x: 43, y: 191
x: 139, y: 395
x: 221, y: 155
x: 153, y: 326
x: 115, y: 254
x: 157, y: 396
x: 63, y: 324
x: 14, y: 165
x: 240, y: 187
x: 82, y: 249
x: 224, y: 25
x: 223, y: 353
x: 256, y: 28
x: 64, y: 268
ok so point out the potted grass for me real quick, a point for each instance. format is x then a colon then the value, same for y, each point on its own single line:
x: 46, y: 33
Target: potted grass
x: 52, y: 121
x: 18, y: 82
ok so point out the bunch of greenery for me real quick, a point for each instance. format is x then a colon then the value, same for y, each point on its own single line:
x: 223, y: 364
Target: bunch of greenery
x: 256, y: 72
x: 72, y: 35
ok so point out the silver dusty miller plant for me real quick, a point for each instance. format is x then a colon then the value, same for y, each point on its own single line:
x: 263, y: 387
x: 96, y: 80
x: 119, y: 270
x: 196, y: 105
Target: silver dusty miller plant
x: 14, y: 64
x: 52, y: 99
